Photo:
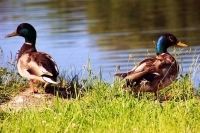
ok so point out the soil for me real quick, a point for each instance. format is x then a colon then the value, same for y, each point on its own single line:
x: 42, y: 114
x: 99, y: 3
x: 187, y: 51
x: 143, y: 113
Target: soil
x: 28, y: 99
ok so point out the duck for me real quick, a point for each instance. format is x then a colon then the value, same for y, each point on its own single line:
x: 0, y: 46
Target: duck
x: 154, y: 73
x: 37, y: 67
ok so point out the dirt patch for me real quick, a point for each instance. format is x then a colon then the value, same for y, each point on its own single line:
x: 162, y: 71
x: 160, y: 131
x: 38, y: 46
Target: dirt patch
x: 27, y: 99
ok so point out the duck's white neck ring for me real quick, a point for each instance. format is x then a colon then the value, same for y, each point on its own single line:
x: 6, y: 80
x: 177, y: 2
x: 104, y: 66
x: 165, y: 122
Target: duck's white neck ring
x: 28, y: 43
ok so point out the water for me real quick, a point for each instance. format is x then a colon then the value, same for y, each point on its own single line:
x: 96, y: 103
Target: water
x: 106, y: 31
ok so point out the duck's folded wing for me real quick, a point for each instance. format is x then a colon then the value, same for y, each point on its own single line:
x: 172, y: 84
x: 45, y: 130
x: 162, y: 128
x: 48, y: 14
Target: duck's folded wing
x: 48, y: 63
x: 48, y: 67
x: 136, y: 76
x: 142, y: 71
x: 38, y: 64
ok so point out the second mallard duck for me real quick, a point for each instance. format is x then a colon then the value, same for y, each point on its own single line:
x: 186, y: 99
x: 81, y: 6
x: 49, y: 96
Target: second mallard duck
x: 33, y: 65
x: 154, y: 73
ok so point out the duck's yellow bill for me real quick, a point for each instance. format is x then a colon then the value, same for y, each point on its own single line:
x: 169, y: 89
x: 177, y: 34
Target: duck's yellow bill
x: 182, y: 44
x: 12, y: 34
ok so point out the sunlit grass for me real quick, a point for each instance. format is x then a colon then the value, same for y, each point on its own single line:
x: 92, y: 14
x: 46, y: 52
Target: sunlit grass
x: 98, y: 106
x: 11, y: 82
x: 106, y: 109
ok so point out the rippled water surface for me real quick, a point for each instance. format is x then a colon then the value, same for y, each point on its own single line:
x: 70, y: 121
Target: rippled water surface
x: 106, y: 31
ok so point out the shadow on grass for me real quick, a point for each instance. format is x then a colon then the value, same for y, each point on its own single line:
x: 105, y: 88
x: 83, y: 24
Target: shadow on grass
x: 72, y: 89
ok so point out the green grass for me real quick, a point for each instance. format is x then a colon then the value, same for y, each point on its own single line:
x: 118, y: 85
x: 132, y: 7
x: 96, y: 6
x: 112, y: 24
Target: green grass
x: 11, y: 82
x: 110, y: 109
x: 103, y: 109
x: 106, y: 108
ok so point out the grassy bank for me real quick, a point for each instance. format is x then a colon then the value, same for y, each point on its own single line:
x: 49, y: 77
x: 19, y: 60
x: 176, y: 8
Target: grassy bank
x: 101, y: 107
x: 109, y: 109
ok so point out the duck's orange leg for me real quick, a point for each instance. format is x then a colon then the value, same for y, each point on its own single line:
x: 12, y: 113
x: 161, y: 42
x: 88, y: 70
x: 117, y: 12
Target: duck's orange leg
x: 155, y: 94
x: 32, y: 87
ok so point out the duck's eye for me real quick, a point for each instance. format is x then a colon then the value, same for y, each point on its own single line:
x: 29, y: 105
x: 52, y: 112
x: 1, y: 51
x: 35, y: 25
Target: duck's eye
x: 171, y: 38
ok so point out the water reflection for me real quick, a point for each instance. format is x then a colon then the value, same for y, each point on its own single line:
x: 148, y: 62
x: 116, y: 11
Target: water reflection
x: 106, y: 30
x: 146, y: 20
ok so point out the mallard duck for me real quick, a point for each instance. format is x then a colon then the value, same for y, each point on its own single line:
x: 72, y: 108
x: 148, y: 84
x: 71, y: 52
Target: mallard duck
x: 154, y: 73
x: 38, y: 67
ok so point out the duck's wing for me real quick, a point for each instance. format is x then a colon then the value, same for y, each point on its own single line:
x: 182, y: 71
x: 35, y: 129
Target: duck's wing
x: 47, y: 62
x: 145, y: 70
x: 39, y: 64
x: 163, y: 65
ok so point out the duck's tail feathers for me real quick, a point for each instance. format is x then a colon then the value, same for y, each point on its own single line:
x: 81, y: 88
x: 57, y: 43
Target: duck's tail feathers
x: 50, y: 79
x: 121, y: 75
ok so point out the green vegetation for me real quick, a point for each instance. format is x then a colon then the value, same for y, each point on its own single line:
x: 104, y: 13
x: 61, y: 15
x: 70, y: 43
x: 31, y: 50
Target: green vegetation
x: 105, y: 109
x: 10, y: 81
x: 102, y: 107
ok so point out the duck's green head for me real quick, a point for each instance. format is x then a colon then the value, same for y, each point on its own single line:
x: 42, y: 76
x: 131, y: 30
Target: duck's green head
x: 166, y: 41
x: 25, y: 30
